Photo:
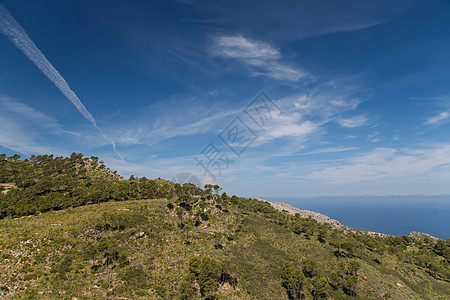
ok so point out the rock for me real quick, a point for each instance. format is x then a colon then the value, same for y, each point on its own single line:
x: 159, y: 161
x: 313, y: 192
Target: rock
x: 138, y: 235
x: 421, y: 236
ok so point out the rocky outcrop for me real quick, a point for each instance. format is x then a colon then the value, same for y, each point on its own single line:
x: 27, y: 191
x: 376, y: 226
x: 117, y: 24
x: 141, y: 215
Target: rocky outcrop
x: 321, y: 218
x: 421, y: 236
x: 6, y: 187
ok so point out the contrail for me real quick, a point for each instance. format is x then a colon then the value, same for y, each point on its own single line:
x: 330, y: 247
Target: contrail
x: 17, y: 35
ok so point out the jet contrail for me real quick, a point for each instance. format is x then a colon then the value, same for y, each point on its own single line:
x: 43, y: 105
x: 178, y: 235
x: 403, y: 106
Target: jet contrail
x: 17, y: 35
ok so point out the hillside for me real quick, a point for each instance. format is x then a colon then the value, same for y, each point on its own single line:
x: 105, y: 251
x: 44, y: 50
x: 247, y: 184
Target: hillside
x: 153, y: 239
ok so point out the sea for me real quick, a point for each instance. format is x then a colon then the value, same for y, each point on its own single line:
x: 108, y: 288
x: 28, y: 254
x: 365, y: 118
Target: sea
x: 395, y: 215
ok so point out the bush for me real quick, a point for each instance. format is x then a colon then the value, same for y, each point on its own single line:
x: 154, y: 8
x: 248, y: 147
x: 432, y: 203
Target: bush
x: 135, y: 276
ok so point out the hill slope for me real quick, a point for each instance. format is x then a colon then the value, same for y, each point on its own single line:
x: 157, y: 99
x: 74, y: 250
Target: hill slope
x: 193, y: 243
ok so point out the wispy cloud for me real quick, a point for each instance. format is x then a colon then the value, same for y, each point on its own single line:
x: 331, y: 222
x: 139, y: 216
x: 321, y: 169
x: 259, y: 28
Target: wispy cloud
x: 262, y: 58
x: 172, y: 118
x: 353, y: 122
x: 20, y: 127
x: 374, y: 137
x: 303, y: 115
x: 329, y: 150
x: 385, y: 163
x: 352, y: 27
x: 327, y: 100
x: 296, y: 20
x: 254, y: 52
x: 289, y: 125
x: 437, y: 119
x: 306, y: 117
x: 346, y: 104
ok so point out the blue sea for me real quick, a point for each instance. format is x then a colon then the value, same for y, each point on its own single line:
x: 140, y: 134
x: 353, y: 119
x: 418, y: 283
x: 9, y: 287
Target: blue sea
x: 395, y: 215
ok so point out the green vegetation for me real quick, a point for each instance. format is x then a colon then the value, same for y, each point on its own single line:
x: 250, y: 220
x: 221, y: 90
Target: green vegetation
x: 105, y: 237
x: 46, y: 183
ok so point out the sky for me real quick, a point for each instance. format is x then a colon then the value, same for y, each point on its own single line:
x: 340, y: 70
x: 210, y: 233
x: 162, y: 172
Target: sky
x: 264, y: 98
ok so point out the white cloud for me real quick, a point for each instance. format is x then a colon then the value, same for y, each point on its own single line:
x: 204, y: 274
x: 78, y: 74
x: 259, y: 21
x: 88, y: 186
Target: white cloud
x: 353, y: 27
x: 262, y: 58
x: 280, y: 71
x: 353, y: 122
x: 329, y: 150
x: 288, y: 127
x: 374, y: 137
x: 303, y: 115
x: 347, y: 104
x: 436, y: 119
x: 301, y: 102
x: 384, y: 163
x: 145, y: 129
x: 325, y: 101
x: 254, y: 52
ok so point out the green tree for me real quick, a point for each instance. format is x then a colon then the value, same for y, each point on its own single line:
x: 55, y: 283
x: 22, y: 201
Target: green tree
x: 217, y: 188
x: 187, y: 288
x: 208, y: 189
x: 323, y: 233
x: 320, y: 287
x: 353, y: 267
x: 207, y: 273
x: 293, y: 281
x: 350, y: 283
x: 15, y: 156
x: 179, y: 211
x: 310, y: 268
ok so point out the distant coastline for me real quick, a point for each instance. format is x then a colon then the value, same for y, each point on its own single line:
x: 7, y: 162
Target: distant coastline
x: 391, y: 215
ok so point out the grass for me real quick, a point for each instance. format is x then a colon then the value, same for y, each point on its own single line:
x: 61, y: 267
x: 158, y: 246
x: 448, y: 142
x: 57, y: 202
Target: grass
x: 97, y: 251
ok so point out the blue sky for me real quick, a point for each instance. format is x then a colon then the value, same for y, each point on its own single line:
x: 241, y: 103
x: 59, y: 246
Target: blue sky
x: 358, y: 93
